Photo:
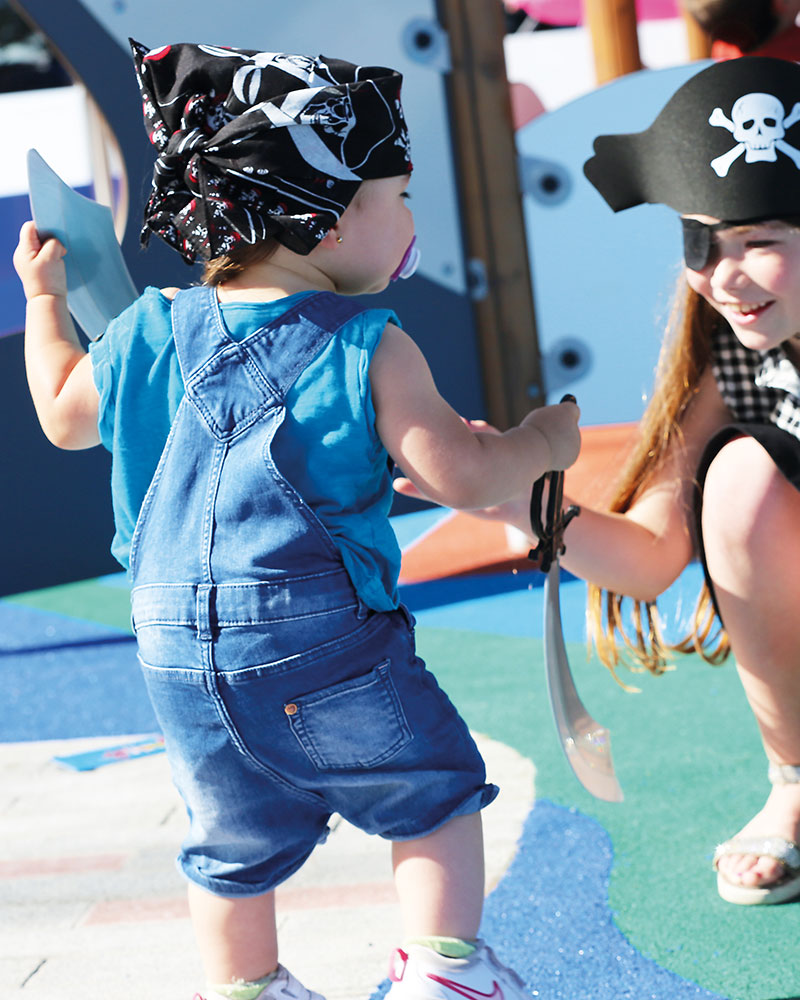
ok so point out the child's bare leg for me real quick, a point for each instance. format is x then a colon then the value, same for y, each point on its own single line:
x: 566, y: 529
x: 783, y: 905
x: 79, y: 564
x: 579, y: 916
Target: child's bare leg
x: 440, y: 880
x: 236, y: 935
x: 751, y: 531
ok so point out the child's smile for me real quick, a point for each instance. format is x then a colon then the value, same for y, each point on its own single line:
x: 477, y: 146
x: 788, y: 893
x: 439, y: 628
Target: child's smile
x: 750, y: 281
x: 743, y: 313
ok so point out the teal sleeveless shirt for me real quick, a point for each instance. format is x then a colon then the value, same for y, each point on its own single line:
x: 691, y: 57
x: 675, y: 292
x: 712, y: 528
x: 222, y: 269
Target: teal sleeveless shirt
x: 328, y: 447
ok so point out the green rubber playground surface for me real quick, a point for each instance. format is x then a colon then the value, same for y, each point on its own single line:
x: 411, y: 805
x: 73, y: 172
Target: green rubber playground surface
x: 689, y: 760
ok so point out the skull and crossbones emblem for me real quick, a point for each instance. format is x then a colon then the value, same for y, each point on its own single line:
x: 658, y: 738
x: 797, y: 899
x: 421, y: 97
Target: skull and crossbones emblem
x: 330, y: 111
x: 759, y: 125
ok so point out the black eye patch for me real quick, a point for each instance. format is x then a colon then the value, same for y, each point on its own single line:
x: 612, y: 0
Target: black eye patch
x: 699, y: 244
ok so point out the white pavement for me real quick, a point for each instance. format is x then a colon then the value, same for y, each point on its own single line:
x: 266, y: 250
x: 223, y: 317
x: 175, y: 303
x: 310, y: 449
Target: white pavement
x: 93, y: 908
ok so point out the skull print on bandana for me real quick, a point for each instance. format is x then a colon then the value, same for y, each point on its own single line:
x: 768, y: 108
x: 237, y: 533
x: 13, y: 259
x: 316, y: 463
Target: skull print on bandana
x: 726, y: 145
x: 253, y: 145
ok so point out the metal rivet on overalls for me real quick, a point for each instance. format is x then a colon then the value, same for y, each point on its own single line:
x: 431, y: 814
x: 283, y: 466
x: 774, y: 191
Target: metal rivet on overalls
x: 291, y: 709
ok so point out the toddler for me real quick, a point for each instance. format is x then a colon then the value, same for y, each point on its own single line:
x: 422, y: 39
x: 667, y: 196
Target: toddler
x: 251, y: 421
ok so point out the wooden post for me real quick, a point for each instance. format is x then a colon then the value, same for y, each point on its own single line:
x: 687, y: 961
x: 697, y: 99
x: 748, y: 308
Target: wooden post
x: 698, y: 41
x: 612, y: 26
x: 491, y: 208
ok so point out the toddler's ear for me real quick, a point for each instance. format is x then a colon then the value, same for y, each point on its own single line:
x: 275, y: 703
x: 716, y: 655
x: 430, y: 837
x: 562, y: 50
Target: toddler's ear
x: 330, y: 239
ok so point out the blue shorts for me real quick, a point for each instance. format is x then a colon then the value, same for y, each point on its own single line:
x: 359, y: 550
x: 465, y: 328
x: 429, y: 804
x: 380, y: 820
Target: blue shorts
x: 265, y: 743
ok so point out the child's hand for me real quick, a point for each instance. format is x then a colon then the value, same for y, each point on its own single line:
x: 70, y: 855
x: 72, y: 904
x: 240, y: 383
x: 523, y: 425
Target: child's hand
x: 559, y: 424
x: 40, y: 266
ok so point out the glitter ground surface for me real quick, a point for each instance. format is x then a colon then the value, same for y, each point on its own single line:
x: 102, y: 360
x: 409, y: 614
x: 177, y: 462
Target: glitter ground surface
x: 558, y: 933
x: 551, y: 922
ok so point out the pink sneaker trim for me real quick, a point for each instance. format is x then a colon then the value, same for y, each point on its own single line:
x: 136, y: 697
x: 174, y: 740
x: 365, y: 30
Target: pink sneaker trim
x: 398, y: 953
x: 468, y: 991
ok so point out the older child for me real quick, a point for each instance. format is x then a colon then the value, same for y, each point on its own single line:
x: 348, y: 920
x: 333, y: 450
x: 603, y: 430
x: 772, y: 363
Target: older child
x: 756, y: 27
x: 250, y: 422
x: 720, y: 437
x: 716, y: 472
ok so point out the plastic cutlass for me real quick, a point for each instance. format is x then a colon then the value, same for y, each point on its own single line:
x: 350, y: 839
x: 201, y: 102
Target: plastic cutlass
x: 586, y: 744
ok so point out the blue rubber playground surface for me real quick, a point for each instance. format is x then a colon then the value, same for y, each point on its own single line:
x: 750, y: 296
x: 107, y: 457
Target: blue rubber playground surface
x: 602, y: 900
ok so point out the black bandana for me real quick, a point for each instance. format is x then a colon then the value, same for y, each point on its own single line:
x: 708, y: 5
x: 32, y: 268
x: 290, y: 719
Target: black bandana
x: 727, y: 145
x: 255, y: 145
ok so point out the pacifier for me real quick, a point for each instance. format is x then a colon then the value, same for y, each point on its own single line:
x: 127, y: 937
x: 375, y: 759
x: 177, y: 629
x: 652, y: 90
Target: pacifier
x: 409, y: 263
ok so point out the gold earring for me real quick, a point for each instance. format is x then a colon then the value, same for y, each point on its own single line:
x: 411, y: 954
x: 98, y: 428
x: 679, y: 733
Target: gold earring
x: 339, y: 239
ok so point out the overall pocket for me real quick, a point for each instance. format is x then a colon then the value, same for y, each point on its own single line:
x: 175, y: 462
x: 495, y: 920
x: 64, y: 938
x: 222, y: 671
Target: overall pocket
x: 354, y: 724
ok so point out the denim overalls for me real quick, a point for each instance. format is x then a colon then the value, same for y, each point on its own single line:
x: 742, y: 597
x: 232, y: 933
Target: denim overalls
x: 282, y: 698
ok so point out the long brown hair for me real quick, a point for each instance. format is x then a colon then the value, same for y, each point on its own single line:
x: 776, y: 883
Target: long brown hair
x: 684, y: 357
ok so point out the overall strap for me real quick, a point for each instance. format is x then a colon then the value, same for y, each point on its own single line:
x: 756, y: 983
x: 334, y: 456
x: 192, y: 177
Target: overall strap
x: 232, y: 383
x: 287, y: 346
x: 197, y: 328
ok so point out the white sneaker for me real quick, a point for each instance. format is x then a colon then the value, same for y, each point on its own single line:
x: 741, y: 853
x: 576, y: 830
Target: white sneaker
x: 283, y: 987
x: 419, y: 973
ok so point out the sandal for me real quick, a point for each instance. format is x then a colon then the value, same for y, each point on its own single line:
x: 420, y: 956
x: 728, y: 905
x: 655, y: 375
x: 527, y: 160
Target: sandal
x: 787, y: 887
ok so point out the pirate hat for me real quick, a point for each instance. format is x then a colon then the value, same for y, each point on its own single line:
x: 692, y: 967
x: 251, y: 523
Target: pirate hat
x: 726, y: 144
x: 253, y: 145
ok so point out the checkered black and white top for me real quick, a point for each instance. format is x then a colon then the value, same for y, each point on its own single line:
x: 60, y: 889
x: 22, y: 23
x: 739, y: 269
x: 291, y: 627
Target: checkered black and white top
x: 760, y: 387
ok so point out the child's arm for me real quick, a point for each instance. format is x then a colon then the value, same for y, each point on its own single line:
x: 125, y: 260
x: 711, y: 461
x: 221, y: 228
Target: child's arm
x: 641, y: 552
x: 59, y: 369
x: 433, y: 446
x: 644, y: 550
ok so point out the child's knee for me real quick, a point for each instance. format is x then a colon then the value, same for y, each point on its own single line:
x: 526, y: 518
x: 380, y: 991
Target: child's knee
x: 742, y: 492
